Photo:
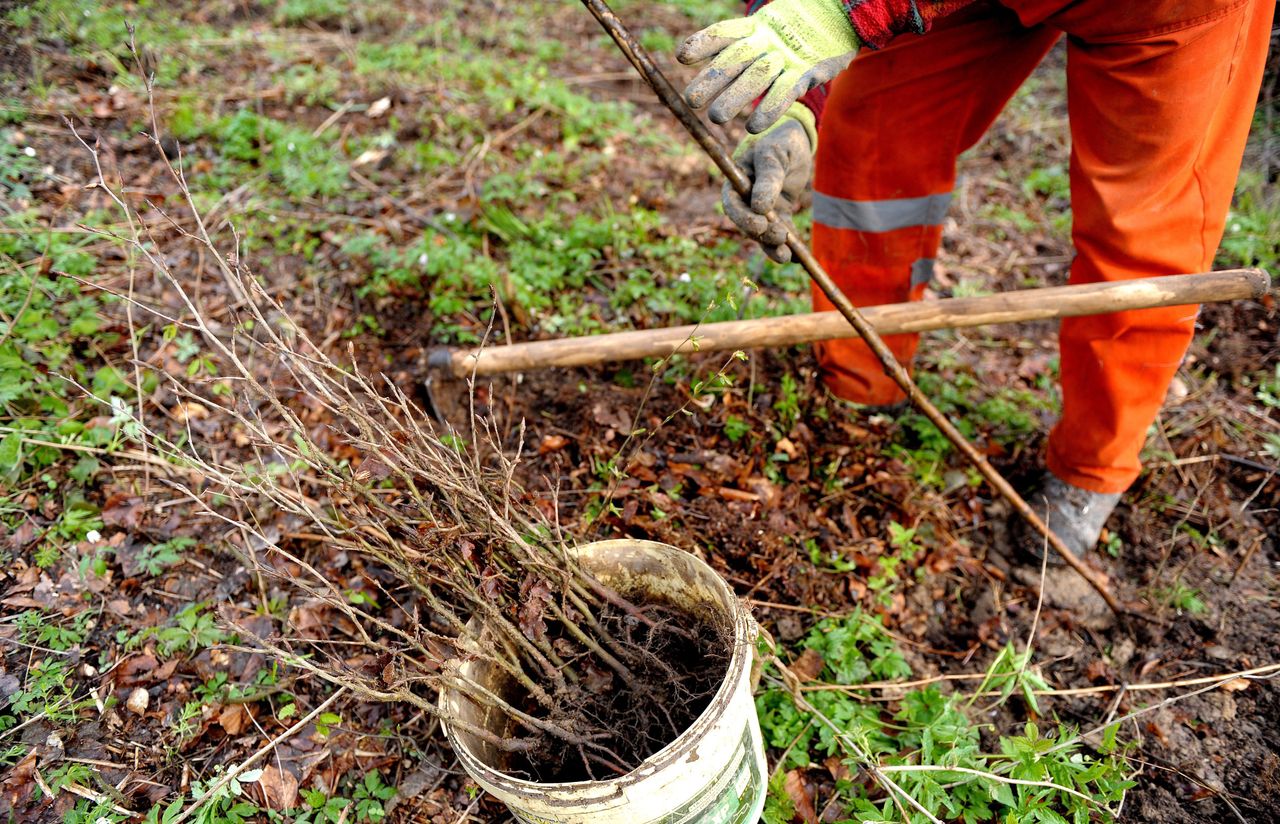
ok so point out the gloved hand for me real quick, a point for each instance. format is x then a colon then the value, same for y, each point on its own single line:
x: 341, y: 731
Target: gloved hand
x: 785, y: 49
x: 780, y: 164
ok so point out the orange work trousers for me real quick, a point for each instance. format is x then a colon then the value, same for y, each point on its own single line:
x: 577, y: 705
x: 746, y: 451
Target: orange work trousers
x: 1160, y: 96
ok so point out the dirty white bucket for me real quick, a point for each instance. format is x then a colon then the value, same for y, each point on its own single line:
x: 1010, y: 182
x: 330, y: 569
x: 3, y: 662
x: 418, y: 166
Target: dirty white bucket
x: 713, y: 773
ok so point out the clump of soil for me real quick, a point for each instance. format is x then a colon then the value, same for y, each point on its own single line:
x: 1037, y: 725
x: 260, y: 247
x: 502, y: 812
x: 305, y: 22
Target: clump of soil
x: 678, y: 662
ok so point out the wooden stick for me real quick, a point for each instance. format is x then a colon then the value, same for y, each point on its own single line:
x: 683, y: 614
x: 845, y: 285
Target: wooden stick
x: 890, y: 319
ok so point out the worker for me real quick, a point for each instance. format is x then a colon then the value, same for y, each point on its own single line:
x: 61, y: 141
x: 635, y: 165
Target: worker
x: 1160, y: 96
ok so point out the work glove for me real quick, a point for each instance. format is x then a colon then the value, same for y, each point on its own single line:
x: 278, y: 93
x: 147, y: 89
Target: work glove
x: 781, y: 52
x: 780, y: 165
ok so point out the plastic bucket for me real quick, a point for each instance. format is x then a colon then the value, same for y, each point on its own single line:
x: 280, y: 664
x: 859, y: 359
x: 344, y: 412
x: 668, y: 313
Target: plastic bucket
x: 713, y: 773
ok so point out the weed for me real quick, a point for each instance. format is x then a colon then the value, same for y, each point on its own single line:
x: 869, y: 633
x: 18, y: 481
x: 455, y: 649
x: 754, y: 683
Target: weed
x: 295, y: 12
x: 183, y: 725
x: 47, y: 691
x: 154, y: 559
x: 326, y: 721
x: 369, y: 795
x: 1268, y: 390
x: 1004, y: 416
x: 1252, y: 236
x: 1012, y: 673
x: 903, y: 543
x: 68, y: 772
x: 303, y: 163
x: 930, y: 746
x: 1179, y: 597
x: 788, y: 403
x: 192, y: 629
x: 833, y: 560
x: 14, y: 752
x: 35, y: 627
x: 735, y: 428
x: 225, y: 805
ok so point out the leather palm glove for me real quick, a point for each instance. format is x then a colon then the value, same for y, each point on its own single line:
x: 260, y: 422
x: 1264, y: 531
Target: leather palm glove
x: 780, y: 52
x: 780, y: 164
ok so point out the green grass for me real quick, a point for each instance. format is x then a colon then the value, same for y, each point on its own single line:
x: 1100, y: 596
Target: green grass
x: 1252, y: 233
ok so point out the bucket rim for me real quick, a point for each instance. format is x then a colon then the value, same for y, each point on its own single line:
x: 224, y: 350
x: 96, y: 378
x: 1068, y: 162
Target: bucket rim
x: 744, y: 635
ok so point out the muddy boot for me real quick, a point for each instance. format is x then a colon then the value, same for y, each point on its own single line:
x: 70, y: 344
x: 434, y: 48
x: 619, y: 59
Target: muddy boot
x: 1076, y: 516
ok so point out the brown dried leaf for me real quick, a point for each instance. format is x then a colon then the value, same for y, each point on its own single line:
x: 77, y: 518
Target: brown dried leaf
x: 372, y: 469
x: 552, y: 443
x: 279, y: 788
x: 535, y: 594
x: 809, y: 665
x: 233, y: 719
x: 800, y: 797
x: 838, y: 768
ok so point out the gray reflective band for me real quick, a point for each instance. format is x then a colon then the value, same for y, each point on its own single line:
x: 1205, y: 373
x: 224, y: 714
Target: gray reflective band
x: 880, y: 215
x: 922, y: 271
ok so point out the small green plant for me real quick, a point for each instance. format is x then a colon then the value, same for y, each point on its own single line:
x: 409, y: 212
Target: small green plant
x: 38, y: 628
x: 69, y: 772
x: 94, y: 812
x: 1252, y: 232
x: 1268, y: 391
x: 154, y: 559
x: 223, y: 805
x: 1012, y: 673
x: 788, y: 403
x: 370, y: 793
x: 904, y: 547
x: 832, y: 560
x: 47, y: 690
x: 326, y: 722
x: 1179, y: 597
x: 192, y: 629
x: 303, y: 163
x: 295, y: 12
x: 735, y: 428
x: 778, y: 806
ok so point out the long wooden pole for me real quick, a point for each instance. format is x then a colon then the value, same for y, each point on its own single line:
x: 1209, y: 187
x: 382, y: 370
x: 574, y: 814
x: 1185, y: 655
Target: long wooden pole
x: 891, y: 319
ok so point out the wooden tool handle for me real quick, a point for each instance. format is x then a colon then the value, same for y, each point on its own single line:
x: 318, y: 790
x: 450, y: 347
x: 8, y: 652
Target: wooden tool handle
x: 889, y: 319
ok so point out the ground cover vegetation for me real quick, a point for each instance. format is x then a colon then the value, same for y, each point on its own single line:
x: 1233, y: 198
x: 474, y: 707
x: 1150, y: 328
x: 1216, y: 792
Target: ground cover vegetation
x: 398, y: 176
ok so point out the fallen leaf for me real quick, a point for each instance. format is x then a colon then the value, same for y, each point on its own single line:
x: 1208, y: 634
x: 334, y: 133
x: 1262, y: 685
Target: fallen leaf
x: 535, y: 594
x: 136, y: 669
x: 799, y: 795
x: 279, y: 788
x: 371, y: 469
x: 1236, y: 684
x: 552, y: 443
x: 233, y: 719
x: 809, y: 665
x: 189, y: 411
x: 838, y: 768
